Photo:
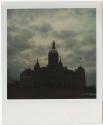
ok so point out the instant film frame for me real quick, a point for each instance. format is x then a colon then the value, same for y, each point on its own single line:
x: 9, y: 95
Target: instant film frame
x: 60, y: 111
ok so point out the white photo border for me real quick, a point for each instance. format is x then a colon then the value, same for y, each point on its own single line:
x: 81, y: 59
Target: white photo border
x: 67, y: 110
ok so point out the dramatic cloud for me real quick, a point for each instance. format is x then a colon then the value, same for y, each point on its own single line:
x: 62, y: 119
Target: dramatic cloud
x: 30, y: 33
x: 64, y: 34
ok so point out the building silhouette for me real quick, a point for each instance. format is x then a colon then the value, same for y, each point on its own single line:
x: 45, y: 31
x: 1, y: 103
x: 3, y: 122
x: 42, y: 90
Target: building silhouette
x: 54, y: 75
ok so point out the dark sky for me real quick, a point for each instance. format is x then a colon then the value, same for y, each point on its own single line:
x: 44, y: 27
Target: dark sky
x: 31, y: 32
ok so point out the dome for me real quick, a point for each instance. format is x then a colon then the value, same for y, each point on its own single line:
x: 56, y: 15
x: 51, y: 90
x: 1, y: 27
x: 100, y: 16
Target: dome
x: 53, y: 51
x: 53, y: 55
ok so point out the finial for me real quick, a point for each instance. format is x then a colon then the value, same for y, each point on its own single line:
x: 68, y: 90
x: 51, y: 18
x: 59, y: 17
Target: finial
x: 53, y: 45
x: 37, y: 61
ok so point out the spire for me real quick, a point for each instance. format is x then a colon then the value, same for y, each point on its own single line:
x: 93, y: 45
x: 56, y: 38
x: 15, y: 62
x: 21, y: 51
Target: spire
x: 37, y: 61
x: 53, y: 45
x: 60, y: 62
x: 37, y: 66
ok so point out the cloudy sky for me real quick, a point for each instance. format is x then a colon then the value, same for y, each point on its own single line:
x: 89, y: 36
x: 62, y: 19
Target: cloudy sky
x: 31, y: 32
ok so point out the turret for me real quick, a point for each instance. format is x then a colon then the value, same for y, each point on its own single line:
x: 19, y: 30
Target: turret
x: 60, y: 63
x: 37, y: 66
x: 80, y: 77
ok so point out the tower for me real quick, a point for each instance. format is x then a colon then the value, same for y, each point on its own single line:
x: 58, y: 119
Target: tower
x: 37, y: 66
x: 53, y: 56
x: 60, y: 63
x: 80, y: 76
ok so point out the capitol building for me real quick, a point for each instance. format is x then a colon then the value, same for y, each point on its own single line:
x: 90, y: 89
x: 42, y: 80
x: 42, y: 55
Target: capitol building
x: 54, y: 74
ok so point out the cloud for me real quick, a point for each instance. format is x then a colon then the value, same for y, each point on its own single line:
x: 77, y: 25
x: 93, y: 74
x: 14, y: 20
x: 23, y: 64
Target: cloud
x: 44, y: 28
x: 63, y: 34
x: 30, y: 33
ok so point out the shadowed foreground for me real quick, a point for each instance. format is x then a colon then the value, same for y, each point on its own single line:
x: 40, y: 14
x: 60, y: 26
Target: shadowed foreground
x: 54, y: 81
x: 48, y: 93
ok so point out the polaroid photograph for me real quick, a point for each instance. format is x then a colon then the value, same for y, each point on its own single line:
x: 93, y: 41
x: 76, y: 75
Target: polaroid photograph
x: 53, y: 55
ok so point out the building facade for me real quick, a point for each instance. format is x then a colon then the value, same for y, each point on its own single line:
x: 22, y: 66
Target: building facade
x: 54, y: 75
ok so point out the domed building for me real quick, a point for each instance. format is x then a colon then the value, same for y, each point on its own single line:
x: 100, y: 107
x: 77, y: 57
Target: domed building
x: 53, y: 56
x: 54, y: 75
